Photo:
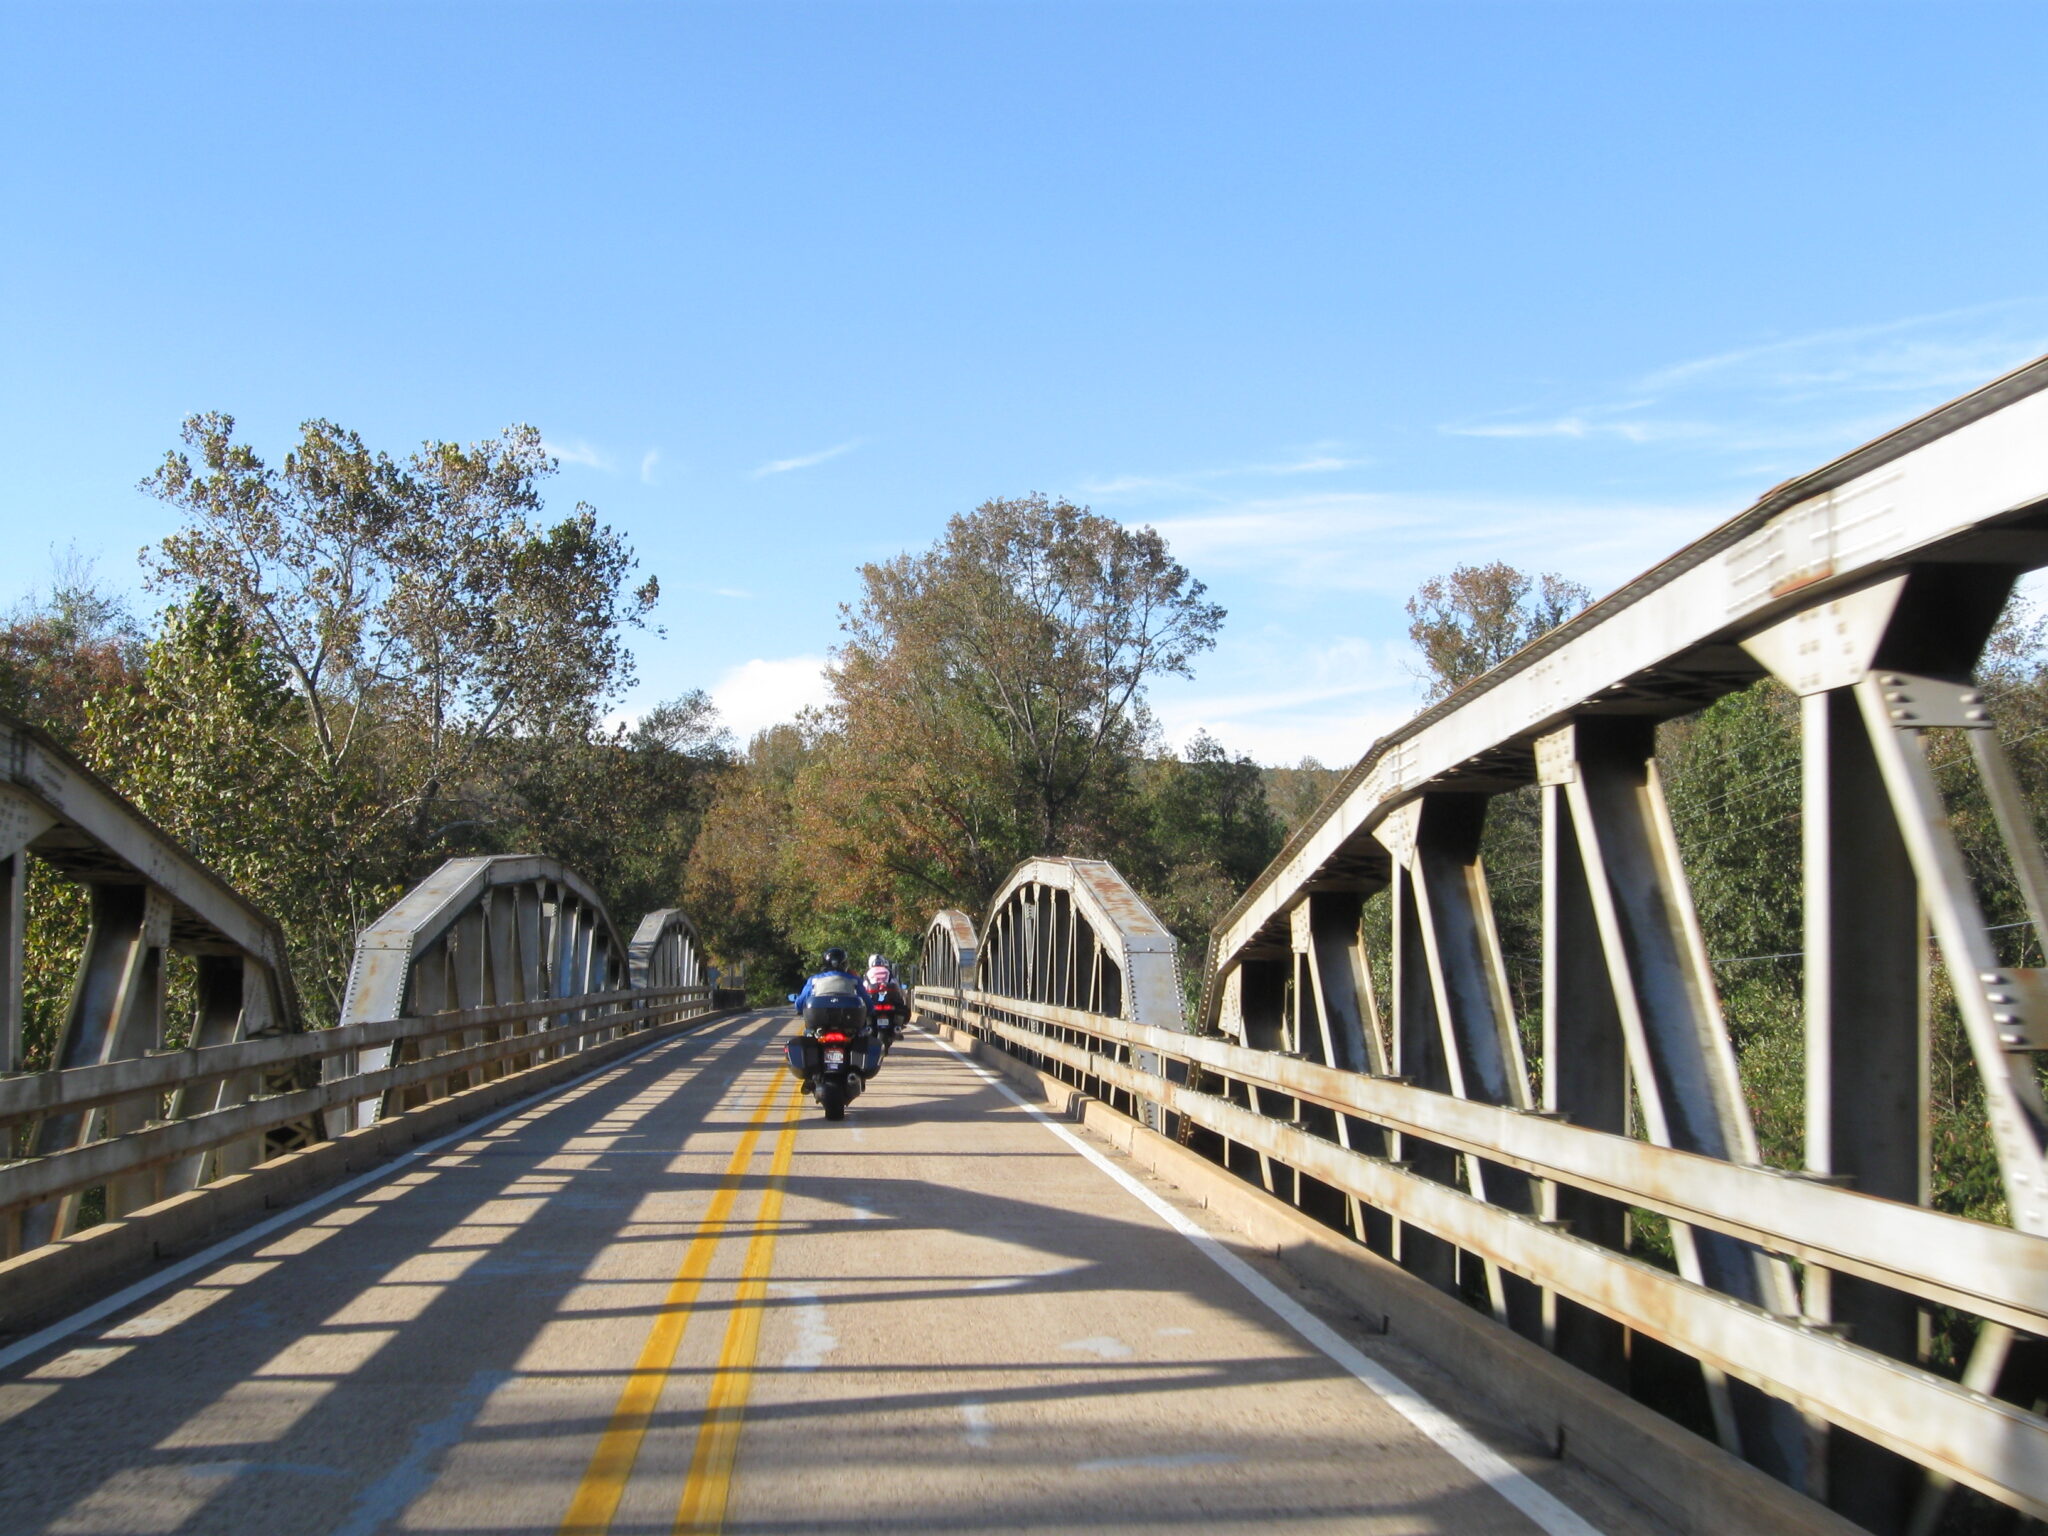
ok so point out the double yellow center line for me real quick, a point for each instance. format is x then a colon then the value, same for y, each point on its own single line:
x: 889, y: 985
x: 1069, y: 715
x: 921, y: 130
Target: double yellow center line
x: 709, y: 1484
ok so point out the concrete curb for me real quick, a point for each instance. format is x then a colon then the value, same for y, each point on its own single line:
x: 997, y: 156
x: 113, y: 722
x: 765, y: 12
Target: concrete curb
x: 1685, y: 1480
x: 58, y: 1278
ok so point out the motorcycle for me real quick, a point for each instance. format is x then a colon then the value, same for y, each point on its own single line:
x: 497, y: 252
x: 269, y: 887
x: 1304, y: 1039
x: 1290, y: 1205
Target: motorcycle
x: 836, y: 1053
x: 889, y: 1021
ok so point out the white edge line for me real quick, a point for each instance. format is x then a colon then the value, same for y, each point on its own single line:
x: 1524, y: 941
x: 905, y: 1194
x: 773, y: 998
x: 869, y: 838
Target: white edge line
x: 85, y: 1317
x: 1517, y: 1487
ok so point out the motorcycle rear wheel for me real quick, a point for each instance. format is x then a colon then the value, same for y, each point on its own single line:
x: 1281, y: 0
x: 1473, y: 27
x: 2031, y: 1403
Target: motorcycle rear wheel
x: 833, y: 1097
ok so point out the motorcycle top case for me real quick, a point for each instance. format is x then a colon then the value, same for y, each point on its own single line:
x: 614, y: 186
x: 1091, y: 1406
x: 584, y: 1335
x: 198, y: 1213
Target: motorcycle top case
x: 848, y: 1015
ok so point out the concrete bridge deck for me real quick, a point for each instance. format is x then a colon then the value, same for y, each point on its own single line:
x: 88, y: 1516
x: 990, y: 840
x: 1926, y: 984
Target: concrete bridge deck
x: 672, y: 1297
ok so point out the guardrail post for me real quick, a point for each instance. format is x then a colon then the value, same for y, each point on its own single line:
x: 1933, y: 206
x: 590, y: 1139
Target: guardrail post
x: 226, y: 990
x: 1262, y: 1005
x: 1479, y: 1053
x: 116, y: 1010
x: 1337, y: 979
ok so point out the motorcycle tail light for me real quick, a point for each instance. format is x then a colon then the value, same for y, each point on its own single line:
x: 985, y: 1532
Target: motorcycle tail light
x: 840, y: 1039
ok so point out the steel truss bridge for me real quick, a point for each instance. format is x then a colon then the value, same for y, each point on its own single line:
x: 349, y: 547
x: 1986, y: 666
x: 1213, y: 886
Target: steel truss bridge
x: 1293, y: 1234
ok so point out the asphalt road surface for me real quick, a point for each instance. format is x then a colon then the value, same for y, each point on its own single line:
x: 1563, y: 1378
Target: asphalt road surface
x: 672, y: 1297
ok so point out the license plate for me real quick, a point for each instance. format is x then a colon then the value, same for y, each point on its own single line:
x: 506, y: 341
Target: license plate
x: 835, y: 1058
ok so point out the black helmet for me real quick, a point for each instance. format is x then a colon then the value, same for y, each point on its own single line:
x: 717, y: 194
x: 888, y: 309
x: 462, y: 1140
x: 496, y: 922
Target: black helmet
x: 836, y: 958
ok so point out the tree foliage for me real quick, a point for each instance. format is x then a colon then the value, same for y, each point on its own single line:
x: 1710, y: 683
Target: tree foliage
x: 1469, y: 622
x: 367, y: 665
x: 418, y: 604
x: 989, y: 701
x: 988, y: 705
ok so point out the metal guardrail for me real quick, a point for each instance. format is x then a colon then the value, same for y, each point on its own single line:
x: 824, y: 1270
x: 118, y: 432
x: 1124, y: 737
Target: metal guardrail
x: 442, y: 1055
x: 1947, y: 1427
x: 487, y: 966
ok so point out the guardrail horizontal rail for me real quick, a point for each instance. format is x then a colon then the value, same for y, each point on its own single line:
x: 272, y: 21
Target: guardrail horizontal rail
x: 1974, y: 1266
x: 25, y: 1095
x: 30, y: 1180
x: 1994, y: 1446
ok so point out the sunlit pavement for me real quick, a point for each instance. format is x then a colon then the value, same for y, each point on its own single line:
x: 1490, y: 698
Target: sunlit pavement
x: 676, y: 1298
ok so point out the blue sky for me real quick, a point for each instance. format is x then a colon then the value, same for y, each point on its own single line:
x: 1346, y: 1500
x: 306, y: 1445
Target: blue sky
x: 1336, y: 296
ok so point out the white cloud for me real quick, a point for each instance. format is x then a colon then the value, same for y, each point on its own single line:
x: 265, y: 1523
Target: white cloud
x: 806, y: 460
x: 1334, y: 738
x: 763, y: 692
x: 1951, y: 349
x: 576, y: 451
x: 1131, y: 485
x: 1315, y: 459
x: 647, y: 462
x: 740, y: 592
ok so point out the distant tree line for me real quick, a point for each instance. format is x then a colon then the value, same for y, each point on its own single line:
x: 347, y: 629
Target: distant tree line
x: 366, y: 664
x: 988, y: 704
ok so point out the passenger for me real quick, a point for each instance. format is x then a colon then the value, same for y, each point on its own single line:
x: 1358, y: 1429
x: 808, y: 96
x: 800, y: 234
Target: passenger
x: 886, y: 999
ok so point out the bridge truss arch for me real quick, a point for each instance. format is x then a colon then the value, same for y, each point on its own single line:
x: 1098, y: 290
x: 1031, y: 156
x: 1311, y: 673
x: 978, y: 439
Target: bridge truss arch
x: 479, y: 932
x: 1073, y: 933
x: 945, y: 958
x: 1071, y: 939
x: 154, y: 909
x: 1867, y: 590
x: 666, y: 951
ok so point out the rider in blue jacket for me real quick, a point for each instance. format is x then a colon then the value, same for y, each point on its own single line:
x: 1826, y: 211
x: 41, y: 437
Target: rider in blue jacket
x: 835, y: 965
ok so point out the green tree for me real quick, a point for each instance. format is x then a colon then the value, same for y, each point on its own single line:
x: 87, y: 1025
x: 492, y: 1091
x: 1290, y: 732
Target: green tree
x: 418, y: 609
x: 207, y: 742
x: 1469, y: 622
x: 1296, y: 793
x: 989, y: 702
x: 61, y: 650
x: 623, y: 805
x: 1202, y: 831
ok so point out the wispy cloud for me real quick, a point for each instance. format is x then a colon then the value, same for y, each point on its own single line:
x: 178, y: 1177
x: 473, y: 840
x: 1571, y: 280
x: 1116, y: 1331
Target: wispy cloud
x: 575, y: 450
x: 1583, y: 426
x: 1117, y: 486
x: 1316, y: 459
x: 648, y: 460
x: 736, y: 592
x: 806, y: 460
x: 1950, y: 349
x: 1816, y: 393
x: 1314, y: 464
x: 1387, y: 544
x: 1344, y: 693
